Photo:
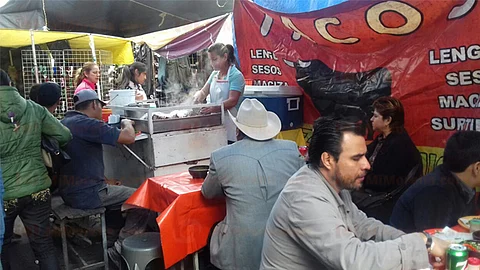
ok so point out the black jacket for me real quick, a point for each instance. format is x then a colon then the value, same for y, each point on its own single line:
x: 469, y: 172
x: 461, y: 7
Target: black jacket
x: 397, y: 157
x: 436, y: 200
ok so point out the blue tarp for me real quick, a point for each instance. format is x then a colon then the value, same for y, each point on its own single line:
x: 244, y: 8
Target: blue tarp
x: 296, y: 6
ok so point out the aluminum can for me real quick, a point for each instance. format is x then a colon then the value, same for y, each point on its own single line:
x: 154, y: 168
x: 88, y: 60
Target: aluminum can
x: 457, y: 256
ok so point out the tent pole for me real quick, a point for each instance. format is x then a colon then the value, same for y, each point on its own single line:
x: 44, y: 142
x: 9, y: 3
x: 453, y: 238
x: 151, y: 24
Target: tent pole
x: 92, y: 47
x: 35, y: 66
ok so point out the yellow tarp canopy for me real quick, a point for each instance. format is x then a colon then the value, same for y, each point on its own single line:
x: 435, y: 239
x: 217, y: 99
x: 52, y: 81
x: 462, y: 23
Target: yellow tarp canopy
x: 121, y: 48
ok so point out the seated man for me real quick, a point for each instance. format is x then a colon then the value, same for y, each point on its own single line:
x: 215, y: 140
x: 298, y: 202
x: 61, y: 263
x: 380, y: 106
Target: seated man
x: 438, y: 199
x: 250, y: 174
x: 315, y: 225
x: 82, y: 181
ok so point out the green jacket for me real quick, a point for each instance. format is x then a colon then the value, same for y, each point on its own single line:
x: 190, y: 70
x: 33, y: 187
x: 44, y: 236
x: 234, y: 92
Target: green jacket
x: 22, y: 164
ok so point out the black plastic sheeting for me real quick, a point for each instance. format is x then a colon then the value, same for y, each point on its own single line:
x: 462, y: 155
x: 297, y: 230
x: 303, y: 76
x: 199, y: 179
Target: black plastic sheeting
x: 340, y: 94
x: 122, y: 18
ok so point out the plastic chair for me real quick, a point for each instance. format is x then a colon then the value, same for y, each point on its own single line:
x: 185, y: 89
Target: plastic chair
x: 141, y: 249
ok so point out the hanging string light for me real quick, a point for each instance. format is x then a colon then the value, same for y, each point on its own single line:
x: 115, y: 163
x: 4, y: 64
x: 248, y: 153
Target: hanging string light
x: 162, y: 13
x: 45, y: 27
x: 221, y: 6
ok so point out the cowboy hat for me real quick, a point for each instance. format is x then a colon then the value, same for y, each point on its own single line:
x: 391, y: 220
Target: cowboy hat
x: 255, y: 121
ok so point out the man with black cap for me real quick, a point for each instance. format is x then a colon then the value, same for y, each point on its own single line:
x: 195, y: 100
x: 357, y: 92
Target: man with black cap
x: 82, y: 181
x: 47, y: 94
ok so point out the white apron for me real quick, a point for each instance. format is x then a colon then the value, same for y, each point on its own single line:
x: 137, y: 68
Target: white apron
x: 219, y: 90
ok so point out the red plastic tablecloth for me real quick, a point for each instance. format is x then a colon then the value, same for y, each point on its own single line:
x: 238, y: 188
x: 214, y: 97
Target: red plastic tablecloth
x: 186, y: 217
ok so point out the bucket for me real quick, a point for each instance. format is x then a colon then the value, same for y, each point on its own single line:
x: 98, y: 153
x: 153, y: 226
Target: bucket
x: 121, y: 98
x: 105, y: 114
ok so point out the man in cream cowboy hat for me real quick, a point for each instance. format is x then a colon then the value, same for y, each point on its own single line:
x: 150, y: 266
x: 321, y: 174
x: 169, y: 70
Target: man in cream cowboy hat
x: 250, y: 174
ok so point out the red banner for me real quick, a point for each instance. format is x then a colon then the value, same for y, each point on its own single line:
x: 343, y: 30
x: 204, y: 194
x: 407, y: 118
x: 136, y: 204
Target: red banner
x: 423, y: 52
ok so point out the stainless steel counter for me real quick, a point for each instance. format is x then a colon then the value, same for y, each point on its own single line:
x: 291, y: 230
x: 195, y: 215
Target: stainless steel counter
x: 166, y: 145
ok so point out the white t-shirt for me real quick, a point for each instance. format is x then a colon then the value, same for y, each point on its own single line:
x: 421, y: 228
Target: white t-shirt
x: 138, y: 90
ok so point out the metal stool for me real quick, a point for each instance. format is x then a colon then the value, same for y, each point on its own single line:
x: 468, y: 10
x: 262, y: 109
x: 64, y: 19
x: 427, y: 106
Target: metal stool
x: 63, y: 212
x: 141, y: 249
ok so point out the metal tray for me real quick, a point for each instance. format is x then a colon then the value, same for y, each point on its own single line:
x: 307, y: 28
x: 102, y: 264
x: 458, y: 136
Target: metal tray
x: 132, y: 113
x: 175, y: 124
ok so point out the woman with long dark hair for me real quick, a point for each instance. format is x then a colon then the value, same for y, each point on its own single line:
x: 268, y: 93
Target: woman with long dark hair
x: 132, y: 77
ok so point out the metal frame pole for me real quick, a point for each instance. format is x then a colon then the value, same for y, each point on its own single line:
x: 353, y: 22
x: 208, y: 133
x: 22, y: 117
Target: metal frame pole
x: 35, y: 66
x: 92, y: 47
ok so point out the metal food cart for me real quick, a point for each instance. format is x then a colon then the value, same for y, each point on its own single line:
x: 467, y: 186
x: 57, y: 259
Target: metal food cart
x: 172, y: 139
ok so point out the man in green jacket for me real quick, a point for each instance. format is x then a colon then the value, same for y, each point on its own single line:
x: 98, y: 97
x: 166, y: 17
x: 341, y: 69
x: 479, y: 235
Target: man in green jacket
x: 25, y: 178
x: 2, y: 213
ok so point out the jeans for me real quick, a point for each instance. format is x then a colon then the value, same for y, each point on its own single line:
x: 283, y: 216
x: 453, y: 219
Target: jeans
x: 34, y: 211
x: 137, y: 219
x: 2, y: 220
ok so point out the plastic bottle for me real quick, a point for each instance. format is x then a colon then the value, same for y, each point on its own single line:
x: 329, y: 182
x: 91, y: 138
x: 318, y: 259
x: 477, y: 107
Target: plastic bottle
x: 473, y: 264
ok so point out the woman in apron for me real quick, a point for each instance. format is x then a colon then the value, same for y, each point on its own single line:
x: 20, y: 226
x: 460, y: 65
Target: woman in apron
x: 225, y: 85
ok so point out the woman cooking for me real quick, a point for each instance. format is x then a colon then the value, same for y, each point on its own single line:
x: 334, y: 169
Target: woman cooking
x: 225, y: 85
x: 132, y: 77
x: 87, y: 77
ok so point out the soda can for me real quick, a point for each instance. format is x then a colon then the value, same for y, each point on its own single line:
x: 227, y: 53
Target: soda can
x: 457, y: 256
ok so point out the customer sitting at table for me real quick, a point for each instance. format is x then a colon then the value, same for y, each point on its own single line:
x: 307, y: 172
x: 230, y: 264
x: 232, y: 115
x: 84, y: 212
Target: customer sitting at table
x: 82, y: 181
x: 392, y: 155
x: 446, y: 194
x: 250, y: 174
x: 315, y: 225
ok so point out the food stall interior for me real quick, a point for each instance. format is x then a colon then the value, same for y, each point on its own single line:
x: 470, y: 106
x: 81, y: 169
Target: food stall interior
x: 172, y: 139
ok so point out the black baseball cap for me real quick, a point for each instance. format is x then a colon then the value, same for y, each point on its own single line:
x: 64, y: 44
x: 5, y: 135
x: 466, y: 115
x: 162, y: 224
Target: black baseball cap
x: 86, y: 95
x: 47, y: 94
